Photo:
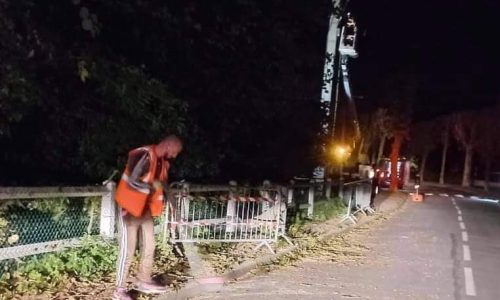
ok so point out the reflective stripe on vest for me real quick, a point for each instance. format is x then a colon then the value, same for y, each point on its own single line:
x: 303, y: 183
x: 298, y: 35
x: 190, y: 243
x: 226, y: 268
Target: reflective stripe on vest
x: 126, y: 178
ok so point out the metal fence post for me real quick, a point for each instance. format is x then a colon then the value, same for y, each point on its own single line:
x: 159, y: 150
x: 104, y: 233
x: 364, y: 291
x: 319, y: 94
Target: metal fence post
x: 231, y: 209
x: 184, y: 199
x: 328, y: 188
x: 265, y: 193
x: 341, y: 186
x: 289, y: 197
x: 310, y: 201
x: 108, y: 212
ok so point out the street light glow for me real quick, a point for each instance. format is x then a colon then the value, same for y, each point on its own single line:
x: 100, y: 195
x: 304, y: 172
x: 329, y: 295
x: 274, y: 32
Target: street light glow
x: 341, y: 152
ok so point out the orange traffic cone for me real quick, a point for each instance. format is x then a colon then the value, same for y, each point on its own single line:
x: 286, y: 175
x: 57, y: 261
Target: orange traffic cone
x: 416, y: 197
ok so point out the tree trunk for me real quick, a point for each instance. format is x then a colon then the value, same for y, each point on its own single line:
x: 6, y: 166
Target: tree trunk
x: 446, y: 142
x: 487, y: 171
x: 362, y: 156
x: 422, y: 167
x: 381, y: 147
x: 467, y: 167
x: 396, y: 146
x: 372, y: 159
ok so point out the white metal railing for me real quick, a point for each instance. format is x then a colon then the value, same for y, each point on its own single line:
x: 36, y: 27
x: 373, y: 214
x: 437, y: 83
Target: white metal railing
x: 356, y: 195
x: 106, y: 220
x: 240, y: 213
x: 227, y: 214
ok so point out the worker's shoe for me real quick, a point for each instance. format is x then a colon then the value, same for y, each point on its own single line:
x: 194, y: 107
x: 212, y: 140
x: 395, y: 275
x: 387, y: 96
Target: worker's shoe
x: 150, y: 287
x: 121, y: 294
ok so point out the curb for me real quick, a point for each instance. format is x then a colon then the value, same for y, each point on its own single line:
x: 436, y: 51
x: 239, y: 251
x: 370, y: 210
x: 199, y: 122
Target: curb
x: 197, y: 289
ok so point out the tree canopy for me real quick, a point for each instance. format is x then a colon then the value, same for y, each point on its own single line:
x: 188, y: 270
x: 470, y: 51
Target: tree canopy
x: 82, y: 82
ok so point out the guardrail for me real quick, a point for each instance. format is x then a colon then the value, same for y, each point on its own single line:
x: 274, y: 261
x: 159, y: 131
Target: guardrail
x: 46, y: 219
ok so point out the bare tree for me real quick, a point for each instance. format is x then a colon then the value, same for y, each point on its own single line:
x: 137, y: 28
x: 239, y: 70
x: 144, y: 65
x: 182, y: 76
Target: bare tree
x: 444, y: 123
x: 465, y: 130
x: 422, y: 142
x: 382, y: 126
x: 400, y: 94
x: 368, y: 137
x: 488, y: 144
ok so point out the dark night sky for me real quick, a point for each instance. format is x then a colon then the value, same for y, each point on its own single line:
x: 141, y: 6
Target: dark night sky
x: 450, y: 46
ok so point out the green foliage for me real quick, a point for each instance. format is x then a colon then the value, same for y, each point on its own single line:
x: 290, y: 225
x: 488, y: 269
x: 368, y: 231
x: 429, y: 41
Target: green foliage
x: 136, y: 110
x: 83, y: 71
x: 3, y: 230
x: 327, y: 209
x: 56, y: 207
x: 18, y: 95
x: 92, y: 260
x: 107, y: 76
x: 324, y: 210
x: 39, y: 220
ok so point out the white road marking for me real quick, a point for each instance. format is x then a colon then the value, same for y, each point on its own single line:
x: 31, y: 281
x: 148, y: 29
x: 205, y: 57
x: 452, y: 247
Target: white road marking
x: 459, y: 195
x: 462, y: 225
x: 443, y: 195
x: 460, y: 218
x: 466, y: 253
x: 465, y: 236
x: 484, y: 200
x: 429, y: 194
x: 459, y: 211
x: 470, y: 287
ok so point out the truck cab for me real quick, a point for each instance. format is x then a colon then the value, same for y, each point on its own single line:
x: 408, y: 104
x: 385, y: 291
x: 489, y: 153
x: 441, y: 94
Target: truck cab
x: 383, y: 172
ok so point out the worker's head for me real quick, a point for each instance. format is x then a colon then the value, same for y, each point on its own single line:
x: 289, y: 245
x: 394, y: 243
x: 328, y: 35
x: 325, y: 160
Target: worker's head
x: 169, y: 147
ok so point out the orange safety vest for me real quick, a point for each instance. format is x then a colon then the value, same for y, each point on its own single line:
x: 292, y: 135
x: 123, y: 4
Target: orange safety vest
x: 134, y: 199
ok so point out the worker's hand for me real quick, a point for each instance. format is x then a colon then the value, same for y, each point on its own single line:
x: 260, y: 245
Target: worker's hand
x: 157, y: 185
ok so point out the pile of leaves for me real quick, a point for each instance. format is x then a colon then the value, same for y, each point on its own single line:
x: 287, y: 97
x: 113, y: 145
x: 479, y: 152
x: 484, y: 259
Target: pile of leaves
x: 349, y: 247
x: 224, y: 257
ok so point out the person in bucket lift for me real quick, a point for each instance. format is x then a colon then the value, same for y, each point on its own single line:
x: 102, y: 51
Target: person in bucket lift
x: 140, y: 198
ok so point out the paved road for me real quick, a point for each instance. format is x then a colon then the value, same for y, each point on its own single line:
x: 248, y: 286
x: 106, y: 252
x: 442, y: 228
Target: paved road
x: 445, y: 248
